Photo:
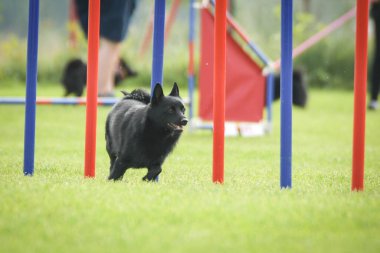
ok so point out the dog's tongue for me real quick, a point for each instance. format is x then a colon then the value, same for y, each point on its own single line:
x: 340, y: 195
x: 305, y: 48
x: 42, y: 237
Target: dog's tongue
x: 175, y: 126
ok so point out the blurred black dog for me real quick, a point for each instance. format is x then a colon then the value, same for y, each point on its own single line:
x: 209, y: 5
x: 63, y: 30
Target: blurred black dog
x: 140, y: 133
x: 299, y: 88
x: 75, y: 75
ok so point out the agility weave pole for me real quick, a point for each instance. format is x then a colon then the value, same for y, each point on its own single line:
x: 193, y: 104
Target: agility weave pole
x: 171, y: 18
x: 190, y: 71
x: 286, y: 93
x: 92, y: 87
x: 57, y: 101
x: 219, y: 90
x: 73, y: 101
x: 158, y: 46
x: 169, y: 23
x: 31, y: 88
x: 73, y: 18
x: 269, y: 100
x: 146, y: 40
x: 360, y: 88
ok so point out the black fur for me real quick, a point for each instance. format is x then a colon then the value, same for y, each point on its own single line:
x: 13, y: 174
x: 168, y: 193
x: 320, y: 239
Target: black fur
x: 299, y: 88
x: 139, y: 95
x: 141, y: 134
x: 74, y: 76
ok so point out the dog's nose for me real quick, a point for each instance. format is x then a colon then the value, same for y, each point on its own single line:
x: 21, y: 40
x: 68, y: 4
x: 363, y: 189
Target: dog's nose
x: 184, y: 122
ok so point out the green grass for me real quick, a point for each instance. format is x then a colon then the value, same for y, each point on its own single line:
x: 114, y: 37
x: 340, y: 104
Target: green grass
x: 57, y: 210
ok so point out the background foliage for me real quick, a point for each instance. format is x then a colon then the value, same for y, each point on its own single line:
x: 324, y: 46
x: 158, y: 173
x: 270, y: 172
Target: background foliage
x: 328, y: 64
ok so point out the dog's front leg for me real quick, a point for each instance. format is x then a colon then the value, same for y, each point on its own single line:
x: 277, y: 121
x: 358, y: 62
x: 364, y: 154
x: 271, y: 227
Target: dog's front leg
x: 118, y: 170
x: 153, y: 173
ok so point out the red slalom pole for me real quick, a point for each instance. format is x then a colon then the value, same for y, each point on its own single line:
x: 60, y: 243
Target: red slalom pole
x: 171, y: 18
x: 360, y: 88
x: 219, y: 90
x: 148, y: 34
x: 73, y: 17
x: 92, y: 87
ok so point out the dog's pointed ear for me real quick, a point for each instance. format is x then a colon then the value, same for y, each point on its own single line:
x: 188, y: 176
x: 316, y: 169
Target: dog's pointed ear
x: 175, y: 90
x: 158, y: 94
x: 124, y: 93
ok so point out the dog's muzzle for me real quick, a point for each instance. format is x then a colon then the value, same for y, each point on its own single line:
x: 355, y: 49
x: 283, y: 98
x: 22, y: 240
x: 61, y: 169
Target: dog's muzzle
x: 178, y: 127
x: 184, y: 122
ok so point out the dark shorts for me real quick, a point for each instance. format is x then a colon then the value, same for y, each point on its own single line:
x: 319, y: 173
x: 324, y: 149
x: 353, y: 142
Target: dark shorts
x: 115, y: 16
x: 375, y: 11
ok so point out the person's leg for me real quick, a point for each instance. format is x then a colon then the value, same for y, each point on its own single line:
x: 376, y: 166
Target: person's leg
x: 375, y: 78
x: 108, y: 60
x: 376, y: 64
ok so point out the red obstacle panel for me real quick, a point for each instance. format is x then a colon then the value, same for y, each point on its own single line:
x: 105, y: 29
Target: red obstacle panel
x: 245, y: 84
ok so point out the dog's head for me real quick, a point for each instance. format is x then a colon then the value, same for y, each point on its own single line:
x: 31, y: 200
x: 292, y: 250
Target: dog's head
x: 168, y: 111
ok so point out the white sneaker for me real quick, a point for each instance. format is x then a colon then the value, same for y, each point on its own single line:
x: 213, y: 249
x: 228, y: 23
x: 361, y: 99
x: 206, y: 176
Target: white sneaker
x: 373, y: 105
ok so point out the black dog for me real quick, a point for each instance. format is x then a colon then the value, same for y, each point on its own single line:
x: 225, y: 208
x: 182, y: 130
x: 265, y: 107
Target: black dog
x: 74, y: 76
x: 140, y: 133
x: 299, y: 88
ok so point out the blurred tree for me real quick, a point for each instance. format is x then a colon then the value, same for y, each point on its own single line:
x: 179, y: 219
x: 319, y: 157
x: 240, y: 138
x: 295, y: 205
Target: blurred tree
x: 306, y: 5
x: 1, y: 11
x: 14, y: 15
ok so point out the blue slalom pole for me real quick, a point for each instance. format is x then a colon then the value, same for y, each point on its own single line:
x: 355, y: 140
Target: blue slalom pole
x: 31, y: 88
x: 286, y: 92
x: 158, y: 43
x: 191, y: 81
x: 269, y: 95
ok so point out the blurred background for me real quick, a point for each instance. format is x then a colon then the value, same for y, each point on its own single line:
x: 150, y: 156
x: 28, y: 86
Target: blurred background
x: 329, y: 64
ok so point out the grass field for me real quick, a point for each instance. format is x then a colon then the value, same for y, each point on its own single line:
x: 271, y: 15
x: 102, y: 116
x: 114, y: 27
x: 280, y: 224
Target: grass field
x: 57, y: 210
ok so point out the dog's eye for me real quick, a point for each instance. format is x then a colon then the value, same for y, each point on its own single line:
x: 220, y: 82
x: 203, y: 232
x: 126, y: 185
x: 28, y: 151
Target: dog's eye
x: 171, y: 109
x: 183, y: 109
